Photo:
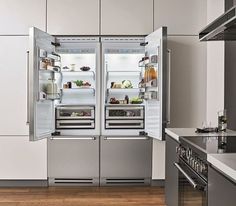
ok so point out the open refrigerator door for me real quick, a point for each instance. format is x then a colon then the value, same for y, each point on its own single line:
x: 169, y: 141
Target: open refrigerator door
x: 155, y: 83
x: 43, y: 89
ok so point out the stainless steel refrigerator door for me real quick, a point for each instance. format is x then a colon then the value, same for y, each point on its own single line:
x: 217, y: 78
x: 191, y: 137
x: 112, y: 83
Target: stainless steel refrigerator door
x: 73, y: 160
x: 40, y: 112
x: 125, y: 160
x: 156, y: 105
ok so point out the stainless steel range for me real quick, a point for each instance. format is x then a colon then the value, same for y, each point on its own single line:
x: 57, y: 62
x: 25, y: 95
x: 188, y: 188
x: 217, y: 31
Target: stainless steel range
x: 193, y: 166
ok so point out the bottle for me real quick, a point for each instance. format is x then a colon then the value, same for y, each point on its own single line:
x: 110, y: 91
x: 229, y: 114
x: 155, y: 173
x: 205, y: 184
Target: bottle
x: 127, y: 99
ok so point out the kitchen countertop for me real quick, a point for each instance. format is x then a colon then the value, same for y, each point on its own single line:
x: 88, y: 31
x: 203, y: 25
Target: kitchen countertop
x: 225, y: 163
x: 190, y: 132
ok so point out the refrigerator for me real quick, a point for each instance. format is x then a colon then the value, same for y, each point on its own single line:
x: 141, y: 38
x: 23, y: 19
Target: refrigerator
x: 99, y: 101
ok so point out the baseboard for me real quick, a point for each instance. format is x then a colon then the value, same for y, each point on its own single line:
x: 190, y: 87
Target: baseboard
x: 23, y: 183
x: 159, y: 183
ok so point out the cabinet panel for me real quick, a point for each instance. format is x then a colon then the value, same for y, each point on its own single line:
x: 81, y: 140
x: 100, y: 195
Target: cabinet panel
x: 22, y: 159
x: 180, y: 16
x: 13, y: 85
x: 73, y: 17
x: 221, y: 191
x: 20, y: 15
x: 171, y: 182
x: 188, y: 81
x: 126, y: 17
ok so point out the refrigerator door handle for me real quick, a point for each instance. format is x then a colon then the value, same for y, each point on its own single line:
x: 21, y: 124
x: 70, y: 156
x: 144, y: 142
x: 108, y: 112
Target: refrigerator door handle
x: 168, y: 86
x: 27, y: 100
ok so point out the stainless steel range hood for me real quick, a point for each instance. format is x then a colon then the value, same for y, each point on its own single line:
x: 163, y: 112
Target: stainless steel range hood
x: 223, y: 28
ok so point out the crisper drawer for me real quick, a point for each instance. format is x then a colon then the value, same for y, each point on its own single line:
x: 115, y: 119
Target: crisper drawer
x: 75, y: 112
x: 73, y: 161
x: 124, y: 124
x: 124, y: 112
x: 75, y: 124
x: 126, y: 160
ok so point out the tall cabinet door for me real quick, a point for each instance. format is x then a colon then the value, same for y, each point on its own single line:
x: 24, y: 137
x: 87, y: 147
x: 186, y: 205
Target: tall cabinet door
x: 155, y: 76
x: 13, y: 85
x: 40, y: 109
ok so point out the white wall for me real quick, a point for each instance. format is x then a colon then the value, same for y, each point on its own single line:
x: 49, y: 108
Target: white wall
x: 215, y: 67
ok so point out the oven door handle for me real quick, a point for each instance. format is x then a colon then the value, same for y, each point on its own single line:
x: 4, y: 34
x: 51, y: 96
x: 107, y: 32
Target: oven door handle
x: 191, y: 181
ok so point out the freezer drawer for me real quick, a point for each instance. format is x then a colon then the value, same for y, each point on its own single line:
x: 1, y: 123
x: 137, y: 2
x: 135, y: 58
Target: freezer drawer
x: 73, y: 160
x: 124, y: 112
x: 126, y: 161
x: 75, y: 112
x: 75, y: 124
x: 124, y: 124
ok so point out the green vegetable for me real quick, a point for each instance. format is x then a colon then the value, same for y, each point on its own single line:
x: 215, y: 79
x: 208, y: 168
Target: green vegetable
x: 126, y: 84
x: 78, y: 83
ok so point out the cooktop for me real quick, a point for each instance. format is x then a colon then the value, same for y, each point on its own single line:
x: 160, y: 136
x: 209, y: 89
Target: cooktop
x: 211, y: 144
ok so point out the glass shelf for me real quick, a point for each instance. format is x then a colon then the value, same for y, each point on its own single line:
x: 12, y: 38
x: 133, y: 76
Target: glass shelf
x: 149, y: 64
x: 123, y: 90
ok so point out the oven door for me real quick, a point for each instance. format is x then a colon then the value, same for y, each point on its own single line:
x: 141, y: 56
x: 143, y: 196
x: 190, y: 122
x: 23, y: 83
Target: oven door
x: 192, y: 188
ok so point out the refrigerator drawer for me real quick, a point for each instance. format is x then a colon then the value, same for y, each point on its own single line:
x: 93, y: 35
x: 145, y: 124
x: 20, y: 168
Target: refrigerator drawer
x: 75, y: 112
x: 124, y: 112
x: 124, y: 124
x: 73, y: 161
x: 75, y: 124
x: 126, y: 160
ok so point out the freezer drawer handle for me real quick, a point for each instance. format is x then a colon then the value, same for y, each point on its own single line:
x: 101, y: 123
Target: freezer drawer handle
x: 73, y: 138
x: 126, y: 138
x: 190, y: 180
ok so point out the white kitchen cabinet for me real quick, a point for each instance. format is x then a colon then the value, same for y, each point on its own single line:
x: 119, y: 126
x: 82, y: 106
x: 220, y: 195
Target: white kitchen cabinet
x: 186, y: 17
x: 21, y: 159
x: 13, y: 85
x: 73, y: 17
x: 126, y: 17
x: 17, y: 16
x: 188, y: 81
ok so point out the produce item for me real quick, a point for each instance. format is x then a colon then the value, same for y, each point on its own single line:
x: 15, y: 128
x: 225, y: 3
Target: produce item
x: 65, y: 86
x: 85, y: 68
x: 113, y: 100
x: 81, y: 83
x: 112, y: 84
x: 126, y: 84
x: 136, y: 100
x: 80, y: 114
x: 117, y: 85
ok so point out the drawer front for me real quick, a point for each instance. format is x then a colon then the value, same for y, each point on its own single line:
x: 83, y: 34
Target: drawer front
x: 124, y: 112
x: 75, y: 112
x: 73, y: 160
x: 75, y: 124
x: 126, y: 158
x: 124, y: 124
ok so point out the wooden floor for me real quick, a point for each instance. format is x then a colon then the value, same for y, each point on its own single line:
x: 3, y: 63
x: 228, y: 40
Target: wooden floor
x: 82, y: 196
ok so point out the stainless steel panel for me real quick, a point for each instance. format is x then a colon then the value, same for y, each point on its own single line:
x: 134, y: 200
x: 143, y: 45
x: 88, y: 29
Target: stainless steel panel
x: 75, y: 124
x: 125, y: 160
x: 124, y: 124
x: 73, y: 160
x: 128, y: 112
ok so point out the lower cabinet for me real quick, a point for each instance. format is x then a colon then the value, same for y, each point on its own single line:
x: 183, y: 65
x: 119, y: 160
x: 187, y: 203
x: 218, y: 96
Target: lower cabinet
x: 73, y: 160
x: 21, y: 159
x: 125, y: 161
x: 171, y: 181
x: 221, y: 191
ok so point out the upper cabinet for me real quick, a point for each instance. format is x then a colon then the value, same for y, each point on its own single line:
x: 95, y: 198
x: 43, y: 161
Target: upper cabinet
x: 126, y: 17
x: 73, y: 17
x: 182, y: 17
x: 17, y: 16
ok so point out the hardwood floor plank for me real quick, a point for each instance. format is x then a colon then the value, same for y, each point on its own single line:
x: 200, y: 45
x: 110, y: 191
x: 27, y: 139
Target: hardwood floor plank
x: 83, y: 196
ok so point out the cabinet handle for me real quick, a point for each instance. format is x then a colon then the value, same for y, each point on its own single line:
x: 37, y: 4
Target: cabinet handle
x: 73, y: 138
x: 27, y: 101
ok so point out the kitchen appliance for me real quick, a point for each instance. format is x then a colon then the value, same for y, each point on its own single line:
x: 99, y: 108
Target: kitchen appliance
x: 193, y: 167
x: 222, y: 28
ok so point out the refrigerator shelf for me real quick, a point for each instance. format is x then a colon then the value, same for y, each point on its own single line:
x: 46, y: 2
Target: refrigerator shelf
x: 153, y: 64
x: 84, y: 89
x: 80, y: 73
x: 121, y: 90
